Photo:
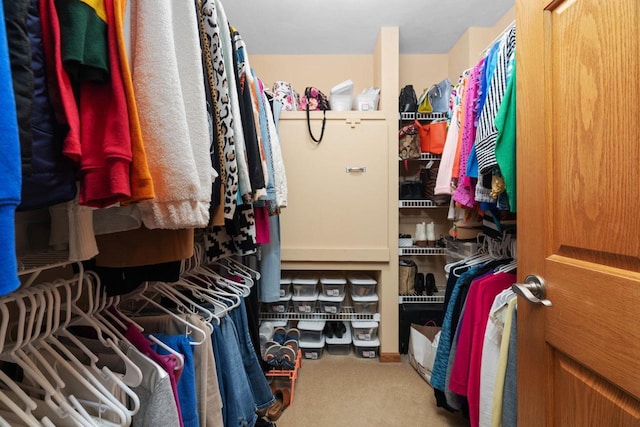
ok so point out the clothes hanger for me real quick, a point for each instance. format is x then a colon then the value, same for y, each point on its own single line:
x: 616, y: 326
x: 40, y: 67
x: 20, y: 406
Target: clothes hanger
x: 59, y: 404
x: 104, y: 399
x: 95, y: 375
x: 241, y: 266
x: 235, y: 287
x: 192, y: 307
x: 219, y: 287
x: 205, y: 294
x: 190, y: 328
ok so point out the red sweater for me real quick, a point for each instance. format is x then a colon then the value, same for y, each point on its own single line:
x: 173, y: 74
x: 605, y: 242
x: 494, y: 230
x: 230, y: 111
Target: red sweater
x: 104, y: 139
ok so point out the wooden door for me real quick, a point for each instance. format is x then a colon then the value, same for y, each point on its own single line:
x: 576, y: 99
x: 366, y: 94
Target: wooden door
x: 578, y: 95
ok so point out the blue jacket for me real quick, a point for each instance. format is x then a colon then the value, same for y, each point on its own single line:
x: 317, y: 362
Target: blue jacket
x: 52, y: 177
x: 9, y: 169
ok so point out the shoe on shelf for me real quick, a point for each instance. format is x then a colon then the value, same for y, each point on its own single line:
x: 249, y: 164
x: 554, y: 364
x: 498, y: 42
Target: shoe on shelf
x: 419, y: 285
x: 430, y: 284
x: 328, y: 330
x: 287, y: 358
x: 279, y: 335
x: 272, y: 356
x: 292, y: 334
x: 339, y: 329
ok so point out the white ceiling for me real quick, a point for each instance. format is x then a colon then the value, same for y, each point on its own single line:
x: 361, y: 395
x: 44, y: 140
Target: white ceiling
x: 351, y: 26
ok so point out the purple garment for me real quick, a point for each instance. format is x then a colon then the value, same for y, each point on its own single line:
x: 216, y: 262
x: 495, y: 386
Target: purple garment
x: 465, y: 192
x: 168, y: 363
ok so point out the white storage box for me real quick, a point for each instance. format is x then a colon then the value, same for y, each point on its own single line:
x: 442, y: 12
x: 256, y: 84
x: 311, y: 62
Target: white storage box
x: 311, y: 350
x: 365, y: 331
x: 365, y: 305
x: 341, y: 96
x: 366, y: 349
x: 368, y: 100
x: 304, y: 286
x: 340, y: 346
x: 333, y: 285
x: 304, y: 304
x: 331, y: 305
x: 281, y: 306
x: 362, y: 285
x: 285, y: 286
x: 311, y: 330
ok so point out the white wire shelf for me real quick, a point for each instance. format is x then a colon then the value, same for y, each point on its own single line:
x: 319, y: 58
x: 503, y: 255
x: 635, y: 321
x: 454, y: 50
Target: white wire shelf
x: 418, y: 250
x: 419, y: 204
x: 426, y: 157
x: 42, y: 261
x: 347, y: 313
x: 422, y: 116
x: 420, y: 299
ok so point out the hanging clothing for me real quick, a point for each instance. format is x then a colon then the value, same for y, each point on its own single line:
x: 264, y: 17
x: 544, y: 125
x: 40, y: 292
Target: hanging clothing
x: 506, y: 140
x: 52, y: 179
x: 9, y: 168
x: 166, y: 48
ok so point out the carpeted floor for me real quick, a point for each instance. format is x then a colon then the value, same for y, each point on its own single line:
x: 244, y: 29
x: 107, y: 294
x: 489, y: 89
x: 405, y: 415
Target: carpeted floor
x: 345, y: 391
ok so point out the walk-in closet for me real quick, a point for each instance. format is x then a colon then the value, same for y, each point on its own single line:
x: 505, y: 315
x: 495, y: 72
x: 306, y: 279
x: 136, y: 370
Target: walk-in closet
x: 251, y: 213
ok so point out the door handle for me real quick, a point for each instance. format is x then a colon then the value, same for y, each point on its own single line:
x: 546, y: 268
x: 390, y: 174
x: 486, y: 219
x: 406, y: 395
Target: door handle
x: 533, y: 290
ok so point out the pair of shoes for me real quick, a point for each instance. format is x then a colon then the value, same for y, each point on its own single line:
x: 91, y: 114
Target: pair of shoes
x: 283, y: 400
x: 334, y: 329
x: 281, y: 335
x: 279, y: 356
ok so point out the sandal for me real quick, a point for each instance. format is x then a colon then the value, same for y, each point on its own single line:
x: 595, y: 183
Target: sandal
x: 272, y: 356
x: 279, y: 335
x: 283, y: 399
x: 293, y: 334
x: 287, y: 358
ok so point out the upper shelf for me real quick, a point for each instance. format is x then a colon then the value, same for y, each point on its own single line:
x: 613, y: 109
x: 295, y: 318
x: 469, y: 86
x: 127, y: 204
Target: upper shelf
x: 334, y: 115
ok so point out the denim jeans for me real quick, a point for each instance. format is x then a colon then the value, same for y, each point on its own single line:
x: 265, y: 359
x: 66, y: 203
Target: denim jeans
x: 262, y: 395
x: 238, y: 405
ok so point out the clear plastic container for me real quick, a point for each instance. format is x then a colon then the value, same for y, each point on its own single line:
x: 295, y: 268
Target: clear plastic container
x: 365, y: 305
x: 311, y: 330
x: 304, y: 286
x: 304, y: 304
x: 366, y: 349
x: 311, y: 350
x: 340, y: 346
x: 285, y: 286
x: 362, y: 286
x: 365, y: 331
x: 333, y: 285
x: 330, y: 305
x: 281, y: 306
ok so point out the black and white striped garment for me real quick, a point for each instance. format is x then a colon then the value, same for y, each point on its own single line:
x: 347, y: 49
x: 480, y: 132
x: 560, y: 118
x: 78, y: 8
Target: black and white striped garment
x: 487, y: 133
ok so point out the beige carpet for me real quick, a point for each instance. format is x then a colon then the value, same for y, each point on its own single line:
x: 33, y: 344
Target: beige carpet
x: 345, y: 391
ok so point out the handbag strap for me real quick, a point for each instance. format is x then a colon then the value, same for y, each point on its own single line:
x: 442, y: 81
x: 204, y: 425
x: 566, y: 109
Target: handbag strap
x: 324, y: 121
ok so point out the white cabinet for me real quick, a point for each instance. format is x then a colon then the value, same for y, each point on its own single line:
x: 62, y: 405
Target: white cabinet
x: 338, y: 188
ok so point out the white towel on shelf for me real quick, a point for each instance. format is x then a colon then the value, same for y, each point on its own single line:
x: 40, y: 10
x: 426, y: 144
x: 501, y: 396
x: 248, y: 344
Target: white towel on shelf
x: 169, y: 86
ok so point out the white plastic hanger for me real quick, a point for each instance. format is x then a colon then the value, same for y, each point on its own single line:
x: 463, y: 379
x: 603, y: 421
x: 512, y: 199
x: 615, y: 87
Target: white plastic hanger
x: 190, y: 328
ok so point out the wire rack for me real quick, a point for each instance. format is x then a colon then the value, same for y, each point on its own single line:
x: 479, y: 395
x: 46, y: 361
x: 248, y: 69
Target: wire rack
x: 346, y: 313
x: 420, y: 299
x: 417, y: 250
x: 419, y: 204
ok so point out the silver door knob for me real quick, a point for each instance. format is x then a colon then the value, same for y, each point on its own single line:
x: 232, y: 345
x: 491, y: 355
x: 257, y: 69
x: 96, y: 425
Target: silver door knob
x: 532, y: 290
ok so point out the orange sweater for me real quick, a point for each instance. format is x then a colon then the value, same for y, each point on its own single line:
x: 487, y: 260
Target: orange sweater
x: 141, y: 181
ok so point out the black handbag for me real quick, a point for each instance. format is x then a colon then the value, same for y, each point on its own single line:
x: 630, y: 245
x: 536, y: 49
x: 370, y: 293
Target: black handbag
x: 313, y: 100
x: 411, y: 190
x: 408, y: 101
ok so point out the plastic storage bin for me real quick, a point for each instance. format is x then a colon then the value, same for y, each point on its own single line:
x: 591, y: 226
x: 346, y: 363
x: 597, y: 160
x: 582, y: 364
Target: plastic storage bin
x: 281, y: 306
x: 341, y: 96
x: 365, y: 331
x: 311, y: 330
x: 333, y: 285
x: 362, y: 285
x: 304, y: 286
x: 365, y: 305
x: 311, y: 350
x: 285, y: 286
x: 366, y: 349
x: 330, y: 305
x: 340, y: 346
x: 304, y: 304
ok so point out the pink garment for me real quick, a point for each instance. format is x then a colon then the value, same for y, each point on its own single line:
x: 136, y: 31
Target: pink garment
x: 262, y: 224
x: 465, y: 193
x: 465, y: 372
x: 168, y: 363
